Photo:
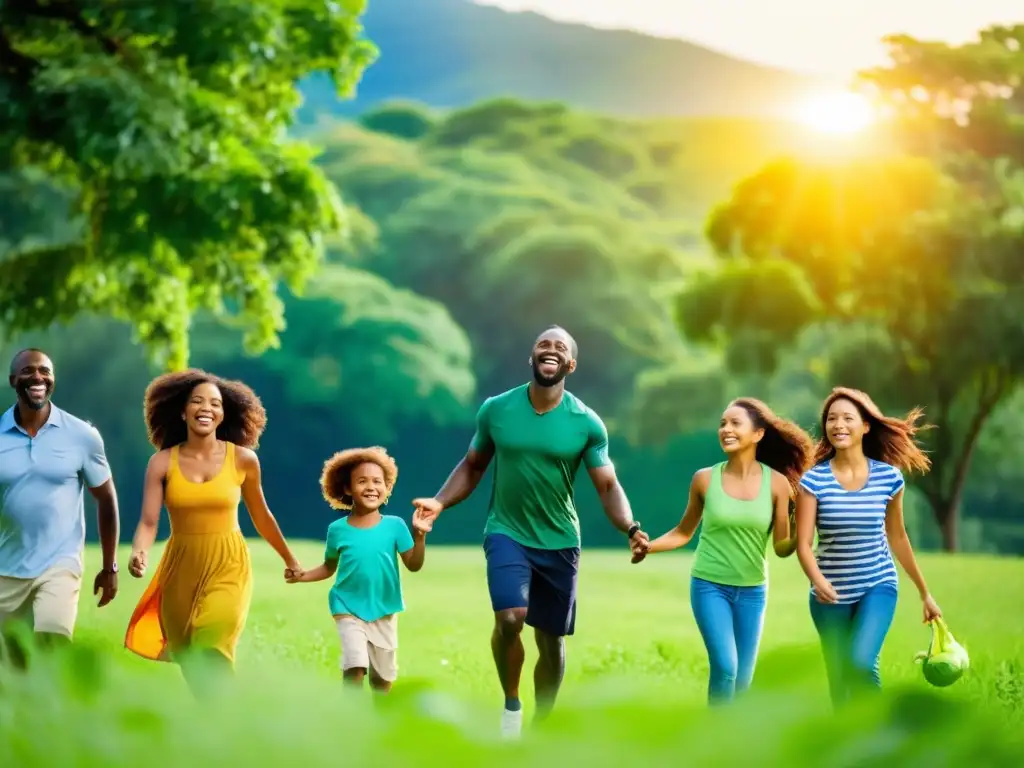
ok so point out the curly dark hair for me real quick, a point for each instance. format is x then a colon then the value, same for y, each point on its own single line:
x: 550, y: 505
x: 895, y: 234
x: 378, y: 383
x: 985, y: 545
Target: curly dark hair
x: 890, y: 439
x: 337, y: 473
x: 785, y: 447
x: 167, y: 395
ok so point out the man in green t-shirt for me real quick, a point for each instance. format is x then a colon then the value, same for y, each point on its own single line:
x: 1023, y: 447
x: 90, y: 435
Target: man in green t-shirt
x: 539, y: 435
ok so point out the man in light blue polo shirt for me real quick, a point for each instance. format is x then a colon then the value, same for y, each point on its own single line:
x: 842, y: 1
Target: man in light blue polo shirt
x: 47, y: 457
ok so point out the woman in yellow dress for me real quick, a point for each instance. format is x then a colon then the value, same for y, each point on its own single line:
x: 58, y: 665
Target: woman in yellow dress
x: 193, y: 612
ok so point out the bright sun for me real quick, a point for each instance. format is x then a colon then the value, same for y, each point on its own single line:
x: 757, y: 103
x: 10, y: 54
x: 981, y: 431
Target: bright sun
x: 840, y: 113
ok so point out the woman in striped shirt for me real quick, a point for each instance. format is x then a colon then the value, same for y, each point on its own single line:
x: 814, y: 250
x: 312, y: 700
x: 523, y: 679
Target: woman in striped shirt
x: 853, y: 497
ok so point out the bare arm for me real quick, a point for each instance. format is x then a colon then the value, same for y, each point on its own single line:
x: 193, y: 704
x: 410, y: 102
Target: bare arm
x: 96, y: 474
x: 899, y: 543
x: 613, y: 497
x: 413, y: 557
x: 806, y: 519
x: 108, y: 521
x: 783, y: 539
x: 256, y: 503
x: 321, y: 572
x: 681, y: 535
x: 467, y: 473
x: 152, y: 503
x: 465, y: 477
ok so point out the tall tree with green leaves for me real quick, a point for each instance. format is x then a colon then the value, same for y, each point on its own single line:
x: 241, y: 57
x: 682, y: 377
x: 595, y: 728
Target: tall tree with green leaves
x: 166, y: 125
x: 911, y: 262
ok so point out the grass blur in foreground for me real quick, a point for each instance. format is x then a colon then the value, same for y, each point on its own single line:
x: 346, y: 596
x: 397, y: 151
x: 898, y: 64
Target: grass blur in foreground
x: 81, y: 709
x: 634, y: 689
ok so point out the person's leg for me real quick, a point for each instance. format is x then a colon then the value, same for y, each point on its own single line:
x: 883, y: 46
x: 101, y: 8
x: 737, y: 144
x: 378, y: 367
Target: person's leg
x: 205, y: 670
x: 748, y: 623
x: 55, y: 607
x: 713, y: 612
x: 508, y: 582
x: 355, y: 650
x: 353, y: 677
x: 552, y: 614
x: 15, y: 621
x: 383, y: 669
x: 833, y: 623
x: 872, y: 618
x: 382, y: 650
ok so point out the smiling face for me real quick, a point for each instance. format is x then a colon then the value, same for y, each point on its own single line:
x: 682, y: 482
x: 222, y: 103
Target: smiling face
x: 553, y: 358
x: 204, y: 410
x: 736, y: 430
x: 844, y: 426
x: 367, y: 487
x: 32, y: 379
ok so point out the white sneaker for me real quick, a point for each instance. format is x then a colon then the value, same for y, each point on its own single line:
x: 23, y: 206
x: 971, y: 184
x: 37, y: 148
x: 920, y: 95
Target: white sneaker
x: 511, y: 724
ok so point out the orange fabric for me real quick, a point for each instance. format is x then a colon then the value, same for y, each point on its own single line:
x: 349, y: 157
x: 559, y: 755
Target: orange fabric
x: 200, y: 594
x: 145, y: 636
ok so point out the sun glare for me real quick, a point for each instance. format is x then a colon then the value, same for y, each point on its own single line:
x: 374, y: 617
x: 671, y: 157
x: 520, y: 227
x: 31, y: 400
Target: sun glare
x: 840, y: 113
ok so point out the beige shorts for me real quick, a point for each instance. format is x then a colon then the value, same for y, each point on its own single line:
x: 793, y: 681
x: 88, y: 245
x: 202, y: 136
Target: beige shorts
x: 370, y: 645
x: 49, y: 601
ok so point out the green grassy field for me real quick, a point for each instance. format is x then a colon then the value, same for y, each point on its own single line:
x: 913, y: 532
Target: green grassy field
x: 634, y: 688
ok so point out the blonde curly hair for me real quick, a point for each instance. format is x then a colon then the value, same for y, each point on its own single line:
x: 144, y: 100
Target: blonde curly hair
x: 337, y: 474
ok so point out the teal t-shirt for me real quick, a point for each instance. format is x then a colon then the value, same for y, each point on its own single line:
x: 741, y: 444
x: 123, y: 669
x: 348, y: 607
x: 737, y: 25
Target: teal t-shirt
x: 536, y: 457
x: 366, y: 584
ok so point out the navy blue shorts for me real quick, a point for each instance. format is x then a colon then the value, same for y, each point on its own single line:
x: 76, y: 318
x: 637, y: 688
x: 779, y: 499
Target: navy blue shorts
x: 541, y: 580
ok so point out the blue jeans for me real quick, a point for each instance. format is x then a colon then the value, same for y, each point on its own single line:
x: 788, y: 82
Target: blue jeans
x: 851, y: 640
x: 730, y: 620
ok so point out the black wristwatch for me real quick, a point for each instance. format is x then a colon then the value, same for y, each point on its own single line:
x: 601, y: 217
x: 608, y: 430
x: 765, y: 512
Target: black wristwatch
x: 633, y: 529
x: 112, y: 569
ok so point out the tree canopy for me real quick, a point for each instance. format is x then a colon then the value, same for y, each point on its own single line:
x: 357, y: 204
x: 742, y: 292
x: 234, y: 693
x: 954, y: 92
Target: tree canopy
x: 911, y: 260
x: 168, y: 132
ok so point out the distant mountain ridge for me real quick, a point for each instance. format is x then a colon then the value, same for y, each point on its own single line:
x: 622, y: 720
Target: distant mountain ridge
x: 451, y: 53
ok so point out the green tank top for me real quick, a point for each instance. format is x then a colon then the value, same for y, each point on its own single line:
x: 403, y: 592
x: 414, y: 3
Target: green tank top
x: 734, y: 534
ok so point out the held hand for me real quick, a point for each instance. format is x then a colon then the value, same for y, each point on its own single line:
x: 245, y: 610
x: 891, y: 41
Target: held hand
x: 639, y: 545
x: 293, y: 572
x: 105, y: 581
x: 421, y: 523
x: 428, y: 508
x: 137, y: 563
x: 825, y: 593
x: 931, y: 609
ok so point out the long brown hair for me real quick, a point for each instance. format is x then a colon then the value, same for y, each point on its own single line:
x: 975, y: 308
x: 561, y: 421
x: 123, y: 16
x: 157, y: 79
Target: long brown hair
x: 785, y: 447
x: 166, y: 396
x: 889, y: 439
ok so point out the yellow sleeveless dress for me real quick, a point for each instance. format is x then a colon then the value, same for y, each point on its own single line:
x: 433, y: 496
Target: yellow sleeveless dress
x: 200, y: 593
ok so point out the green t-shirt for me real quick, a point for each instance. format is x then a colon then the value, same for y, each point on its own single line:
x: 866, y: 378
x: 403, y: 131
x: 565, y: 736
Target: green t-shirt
x: 536, y: 457
x: 734, y: 536
x: 366, y: 584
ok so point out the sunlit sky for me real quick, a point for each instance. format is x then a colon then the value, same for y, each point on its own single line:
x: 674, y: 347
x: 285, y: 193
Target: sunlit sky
x: 825, y: 37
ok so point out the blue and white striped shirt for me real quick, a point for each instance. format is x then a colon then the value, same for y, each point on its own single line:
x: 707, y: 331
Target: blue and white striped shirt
x: 853, y: 551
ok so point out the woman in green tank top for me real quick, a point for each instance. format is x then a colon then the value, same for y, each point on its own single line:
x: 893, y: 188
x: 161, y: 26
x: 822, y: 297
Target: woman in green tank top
x: 743, y: 501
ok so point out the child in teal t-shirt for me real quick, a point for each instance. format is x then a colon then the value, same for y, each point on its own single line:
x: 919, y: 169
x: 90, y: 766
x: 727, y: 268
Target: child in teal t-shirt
x: 362, y: 550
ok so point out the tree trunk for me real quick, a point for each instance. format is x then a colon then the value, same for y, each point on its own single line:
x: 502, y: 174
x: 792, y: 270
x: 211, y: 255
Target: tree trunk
x: 949, y: 526
x: 946, y: 512
x: 945, y: 499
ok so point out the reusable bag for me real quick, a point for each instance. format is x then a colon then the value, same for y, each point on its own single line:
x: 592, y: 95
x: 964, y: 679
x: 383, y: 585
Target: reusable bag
x: 946, y: 660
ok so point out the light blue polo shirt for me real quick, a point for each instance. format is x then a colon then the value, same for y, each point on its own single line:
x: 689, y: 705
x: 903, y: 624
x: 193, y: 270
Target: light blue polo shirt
x: 42, y: 483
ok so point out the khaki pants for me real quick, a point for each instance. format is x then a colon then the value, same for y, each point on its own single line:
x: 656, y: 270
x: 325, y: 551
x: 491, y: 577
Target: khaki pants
x: 49, y: 601
x: 369, y: 645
